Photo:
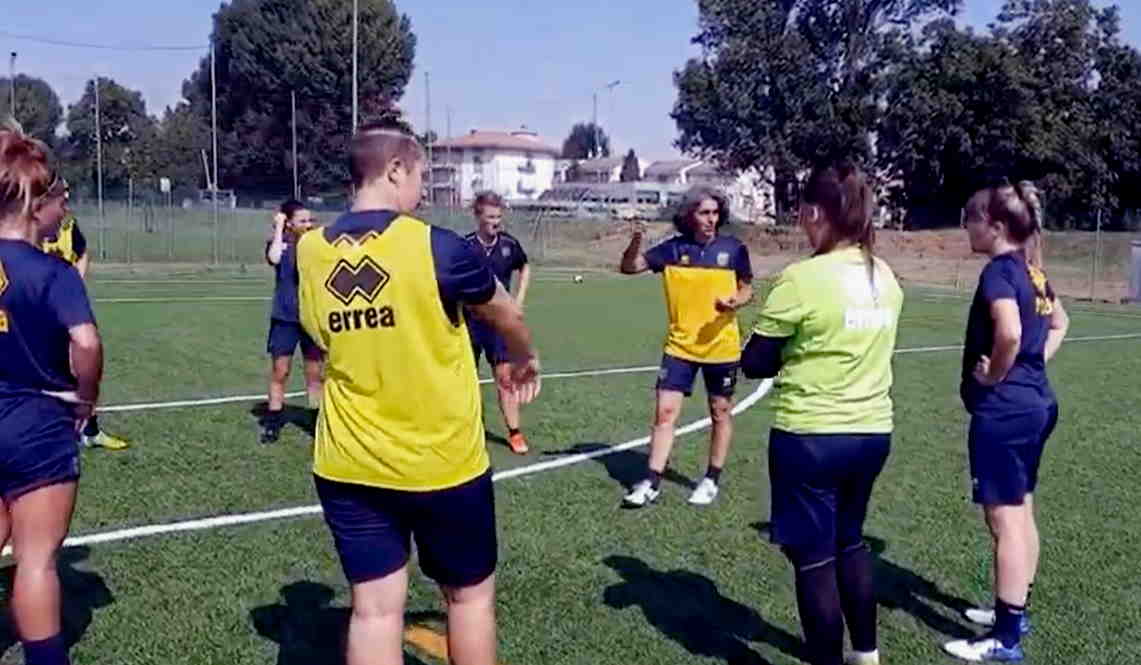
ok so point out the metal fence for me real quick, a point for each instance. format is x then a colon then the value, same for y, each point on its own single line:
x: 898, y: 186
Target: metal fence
x: 1080, y: 264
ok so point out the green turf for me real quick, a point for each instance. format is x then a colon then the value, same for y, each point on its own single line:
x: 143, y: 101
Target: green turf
x: 581, y: 581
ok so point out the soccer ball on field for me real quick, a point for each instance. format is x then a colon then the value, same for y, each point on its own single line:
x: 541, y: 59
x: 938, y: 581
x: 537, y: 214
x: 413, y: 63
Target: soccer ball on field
x: 578, y: 279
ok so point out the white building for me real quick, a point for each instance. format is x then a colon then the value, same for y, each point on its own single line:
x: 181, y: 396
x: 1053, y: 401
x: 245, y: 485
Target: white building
x: 749, y: 192
x: 604, y: 170
x: 516, y: 165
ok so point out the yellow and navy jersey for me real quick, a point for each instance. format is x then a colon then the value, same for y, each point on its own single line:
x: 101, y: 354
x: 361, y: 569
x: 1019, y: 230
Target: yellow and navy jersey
x: 382, y: 294
x: 41, y: 298
x: 694, y: 277
x: 840, y: 326
x: 69, y: 243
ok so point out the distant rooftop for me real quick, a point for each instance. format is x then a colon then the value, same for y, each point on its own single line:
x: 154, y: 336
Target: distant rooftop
x: 669, y: 167
x: 521, y: 139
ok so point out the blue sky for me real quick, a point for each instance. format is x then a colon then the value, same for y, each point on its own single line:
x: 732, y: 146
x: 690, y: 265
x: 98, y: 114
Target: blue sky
x: 498, y: 64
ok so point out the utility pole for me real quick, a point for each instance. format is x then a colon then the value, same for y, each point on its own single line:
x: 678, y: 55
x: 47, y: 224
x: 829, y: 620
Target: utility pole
x: 356, y: 21
x: 293, y: 104
x: 594, y: 123
x: 99, y: 175
x: 12, y: 85
x: 214, y: 129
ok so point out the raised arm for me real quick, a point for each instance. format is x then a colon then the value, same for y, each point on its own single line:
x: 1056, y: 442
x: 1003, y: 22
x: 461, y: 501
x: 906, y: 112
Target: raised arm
x: 276, y: 246
x: 633, y: 261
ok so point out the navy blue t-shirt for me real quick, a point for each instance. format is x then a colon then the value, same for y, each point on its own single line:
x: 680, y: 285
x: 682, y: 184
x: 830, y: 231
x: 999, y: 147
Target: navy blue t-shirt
x: 285, y: 280
x: 505, y: 255
x: 41, y: 298
x: 462, y: 275
x: 721, y: 252
x: 1026, y: 387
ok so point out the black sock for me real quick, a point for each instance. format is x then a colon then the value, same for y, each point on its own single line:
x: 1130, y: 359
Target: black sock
x: 822, y: 620
x: 92, y: 426
x: 713, y: 473
x: 1007, y: 622
x: 854, y: 571
x: 655, y: 478
x: 274, y: 418
x: 1029, y: 592
x: 51, y: 651
x: 512, y: 431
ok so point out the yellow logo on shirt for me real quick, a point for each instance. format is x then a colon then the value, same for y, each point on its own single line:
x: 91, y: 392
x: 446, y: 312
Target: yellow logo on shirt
x: 1042, y: 303
x: 3, y: 279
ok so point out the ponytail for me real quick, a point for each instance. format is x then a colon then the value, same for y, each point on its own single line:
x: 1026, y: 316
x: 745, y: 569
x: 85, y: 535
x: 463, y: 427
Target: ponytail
x: 842, y: 191
x: 25, y: 175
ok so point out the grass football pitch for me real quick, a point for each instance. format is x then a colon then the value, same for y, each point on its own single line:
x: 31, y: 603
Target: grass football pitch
x: 581, y: 581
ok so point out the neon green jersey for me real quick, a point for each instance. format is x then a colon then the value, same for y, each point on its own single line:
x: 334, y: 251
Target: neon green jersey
x: 836, y: 374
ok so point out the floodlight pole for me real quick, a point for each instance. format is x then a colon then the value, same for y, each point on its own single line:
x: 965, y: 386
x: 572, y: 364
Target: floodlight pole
x: 99, y: 174
x: 356, y: 22
x: 12, y: 85
x: 214, y: 131
x: 293, y: 103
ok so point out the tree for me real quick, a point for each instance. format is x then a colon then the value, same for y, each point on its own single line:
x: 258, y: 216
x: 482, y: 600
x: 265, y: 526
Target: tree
x: 127, y: 132
x: 37, y: 107
x: 586, y: 141
x: 786, y: 83
x: 631, y: 169
x: 267, y: 48
x: 180, y: 140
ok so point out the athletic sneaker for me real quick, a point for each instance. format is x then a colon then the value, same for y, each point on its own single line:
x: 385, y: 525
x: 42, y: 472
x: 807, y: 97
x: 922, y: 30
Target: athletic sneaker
x: 270, y: 433
x: 518, y: 443
x: 704, y: 493
x: 985, y: 650
x: 863, y: 658
x: 984, y: 616
x: 105, y: 440
x: 641, y: 495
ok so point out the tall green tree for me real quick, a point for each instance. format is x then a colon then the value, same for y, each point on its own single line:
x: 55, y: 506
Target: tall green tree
x: 786, y: 83
x: 127, y: 132
x: 178, y: 146
x: 37, y: 107
x: 586, y: 141
x: 267, y: 48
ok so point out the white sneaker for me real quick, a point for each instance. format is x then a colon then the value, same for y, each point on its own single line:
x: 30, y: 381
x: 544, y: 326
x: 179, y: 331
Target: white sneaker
x: 704, y: 493
x: 641, y: 495
x: 863, y: 658
x: 985, y: 650
x: 982, y: 616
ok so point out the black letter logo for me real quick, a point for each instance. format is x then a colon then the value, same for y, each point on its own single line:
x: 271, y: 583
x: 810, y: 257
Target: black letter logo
x: 365, y: 279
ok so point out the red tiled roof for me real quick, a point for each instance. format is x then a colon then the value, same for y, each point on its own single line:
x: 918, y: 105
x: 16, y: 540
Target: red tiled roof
x: 524, y: 141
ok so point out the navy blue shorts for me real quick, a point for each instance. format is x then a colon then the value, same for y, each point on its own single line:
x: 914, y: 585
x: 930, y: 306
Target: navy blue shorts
x: 38, y: 444
x: 679, y: 375
x: 484, y: 340
x: 285, y: 336
x: 454, y: 530
x: 821, y: 486
x: 1005, y: 452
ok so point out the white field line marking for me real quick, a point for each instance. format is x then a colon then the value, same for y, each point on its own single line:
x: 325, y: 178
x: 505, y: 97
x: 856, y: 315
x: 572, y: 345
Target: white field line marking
x: 232, y: 399
x: 299, y: 511
x: 211, y: 401
x: 118, y: 301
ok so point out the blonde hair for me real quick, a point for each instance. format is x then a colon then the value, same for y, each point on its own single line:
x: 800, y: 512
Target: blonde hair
x: 25, y: 173
x: 1019, y: 208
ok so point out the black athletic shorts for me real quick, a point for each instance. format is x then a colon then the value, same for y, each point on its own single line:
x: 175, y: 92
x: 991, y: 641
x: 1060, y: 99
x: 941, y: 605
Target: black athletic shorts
x: 484, y: 340
x: 284, y: 338
x: 38, y: 444
x: 679, y: 375
x: 373, y: 530
x: 821, y: 485
x: 1005, y: 452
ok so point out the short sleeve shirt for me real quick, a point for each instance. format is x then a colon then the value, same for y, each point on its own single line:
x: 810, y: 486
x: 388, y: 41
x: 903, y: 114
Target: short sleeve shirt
x: 841, y: 325
x: 1026, y: 387
x: 41, y: 298
x: 505, y: 255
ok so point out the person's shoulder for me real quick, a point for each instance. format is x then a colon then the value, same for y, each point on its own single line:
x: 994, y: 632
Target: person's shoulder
x: 510, y: 239
x: 729, y: 242
x: 446, y: 241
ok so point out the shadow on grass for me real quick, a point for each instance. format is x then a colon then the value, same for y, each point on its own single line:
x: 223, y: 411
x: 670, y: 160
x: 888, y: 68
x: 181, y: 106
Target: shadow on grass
x: 687, y: 608
x: 310, y: 631
x: 82, y: 592
x: 302, y: 418
x: 625, y: 467
x: 899, y: 588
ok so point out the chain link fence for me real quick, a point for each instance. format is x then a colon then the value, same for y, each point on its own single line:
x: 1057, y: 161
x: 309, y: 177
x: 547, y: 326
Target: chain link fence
x: 1085, y: 265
